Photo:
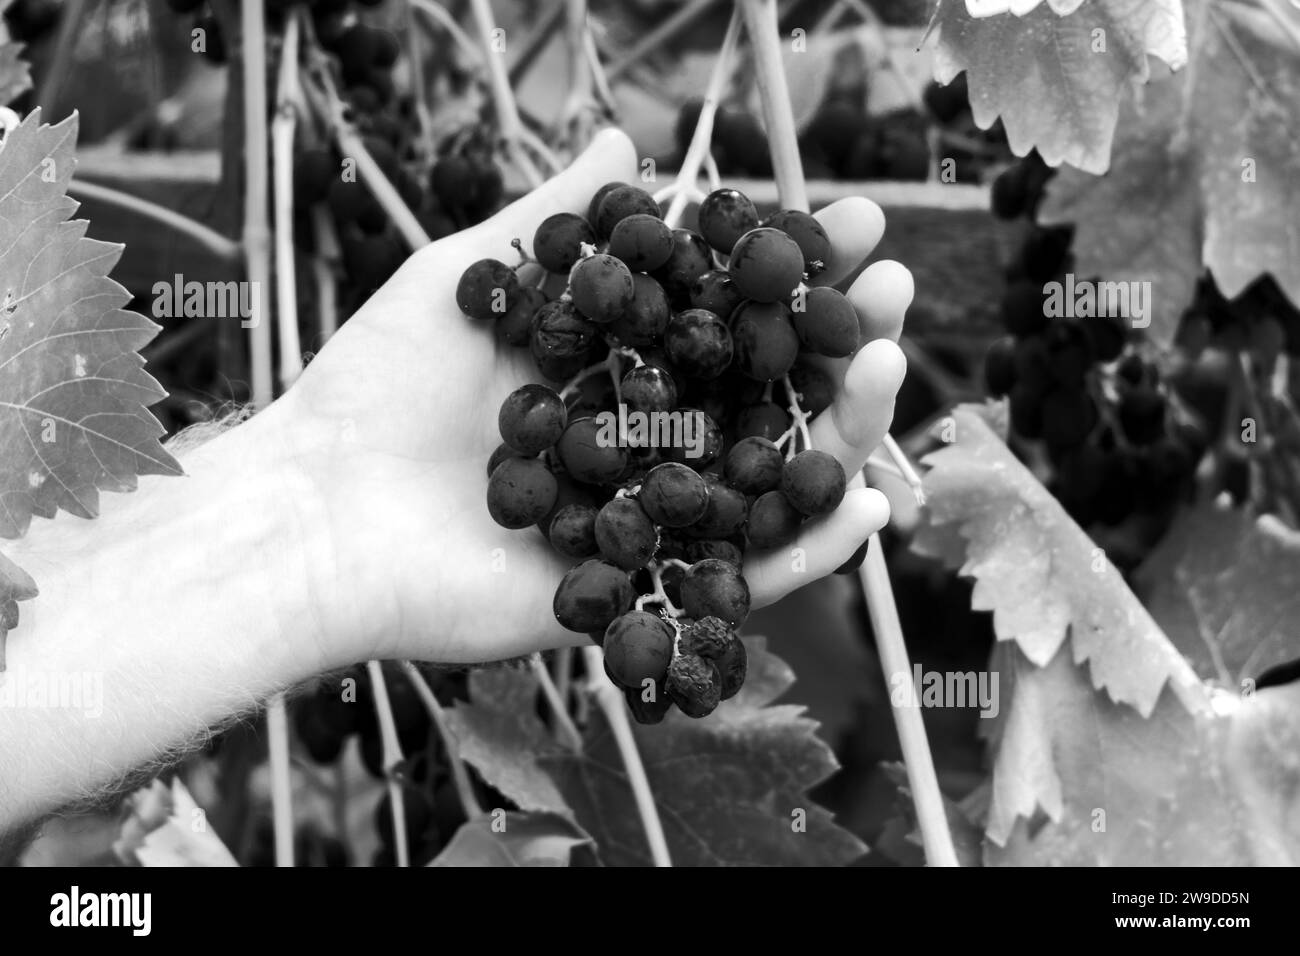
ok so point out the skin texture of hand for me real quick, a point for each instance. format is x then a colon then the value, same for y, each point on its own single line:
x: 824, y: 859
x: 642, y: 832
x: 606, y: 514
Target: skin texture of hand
x: 396, y: 418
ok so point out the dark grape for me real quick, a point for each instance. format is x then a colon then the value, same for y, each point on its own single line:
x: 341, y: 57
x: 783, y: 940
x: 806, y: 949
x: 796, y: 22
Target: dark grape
x: 725, y: 513
x: 742, y: 141
x: 698, y: 342
x: 516, y: 326
x: 701, y: 446
x: 715, y: 292
x: 601, y: 287
x: 814, y: 482
x: 591, y: 596
x: 573, y: 531
x: 826, y: 322
x: 625, y: 536
x: 1069, y: 415
x: 643, y: 242
x: 313, y: 171
x: 597, y: 198
x: 561, y: 340
x: 557, y: 244
x: 1022, y: 309
x: 1069, y: 352
x: 673, y: 495
x: 814, y: 388
x: 652, y: 710
x: 1026, y: 410
x: 690, y: 260
x: 1000, y: 367
x: 638, y: 648
x: 716, y: 588
x: 648, y: 389
x: 947, y: 102
x: 587, y: 455
x: 567, y: 492
x: 753, y: 466
x: 1045, y: 250
x: 1106, y: 335
x: 520, y: 492
x: 387, y: 49
x: 711, y: 639
x: 645, y: 318
x: 618, y: 204
x: 705, y: 549
x: 694, y: 685
x: 809, y: 235
x: 532, y: 419
x: 762, y: 420
x: 487, y: 289
x: 726, y: 215
x: 766, y: 265
x: 1142, y: 415
x: 214, y: 49
x: 773, y: 521
x: 765, y: 340
x: 1010, y: 192
x: 502, y: 452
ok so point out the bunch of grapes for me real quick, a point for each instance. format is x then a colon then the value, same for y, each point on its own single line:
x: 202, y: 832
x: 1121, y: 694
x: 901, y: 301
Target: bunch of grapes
x: 1081, y: 386
x: 651, y: 321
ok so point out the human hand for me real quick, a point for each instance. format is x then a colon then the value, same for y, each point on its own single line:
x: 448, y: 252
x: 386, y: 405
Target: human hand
x: 397, y: 416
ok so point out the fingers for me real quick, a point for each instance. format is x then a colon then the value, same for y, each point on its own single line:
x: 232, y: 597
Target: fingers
x: 881, y: 296
x: 859, y: 417
x: 611, y: 157
x: 854, y: 226
x: 822, y: 546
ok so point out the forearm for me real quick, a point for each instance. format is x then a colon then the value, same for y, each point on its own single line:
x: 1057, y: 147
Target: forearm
x: 186, y: 603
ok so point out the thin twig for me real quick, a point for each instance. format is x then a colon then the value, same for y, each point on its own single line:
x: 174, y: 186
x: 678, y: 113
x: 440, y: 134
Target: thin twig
x: 277, y: 745
x: 459, y: 772
x: 219, y: 245
x: 563, y: 722
x: 323, y: 270
x: 536, y: 41
x: 610, y: 700
x: 778, y: 116
x: 921, y: 777
x: 660, y: 35
x: 905, y: 467
x: 391, y: 754
x: 283, y: 127
x: 257, y: 234
x: 439, y: 15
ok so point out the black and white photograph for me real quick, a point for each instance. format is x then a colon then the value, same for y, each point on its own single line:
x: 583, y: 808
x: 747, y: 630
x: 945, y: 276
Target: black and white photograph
x: 658, y: 433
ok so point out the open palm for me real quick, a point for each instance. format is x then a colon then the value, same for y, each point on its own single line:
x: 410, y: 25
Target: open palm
x: 401, y: 407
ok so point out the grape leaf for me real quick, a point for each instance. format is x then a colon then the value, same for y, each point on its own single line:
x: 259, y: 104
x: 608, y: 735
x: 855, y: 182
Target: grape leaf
x: 1216, y: 184
x: 1056, y: 80
x: 527, y: 839
x: 73, y: 390
x: 1225, y: 586
x: 900, y: 837
x: 1040, y: 574
x: 1216, y: 788
x: 500, y: 735
x: 731, y: 789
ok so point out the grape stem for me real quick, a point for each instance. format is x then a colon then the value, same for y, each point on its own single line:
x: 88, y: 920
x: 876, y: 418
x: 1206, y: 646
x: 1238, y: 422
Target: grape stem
x: 799, y: 423
x: 535, y: 42
x: 323, y: 270
x: 277, y: 758
x: 921, y: 777
x: 213, y: 241
x: 563, y: 722
x: 459, y: 772
x: 905, y: 467
x: 283, y: 128
x: 610, y: 700
x: 440, y: 16
x: 391, y: 750
x: 257, y: 232
x: 660, y: 35
x: 774, y: 93
x: 683, y: 189
x: 659, y: 595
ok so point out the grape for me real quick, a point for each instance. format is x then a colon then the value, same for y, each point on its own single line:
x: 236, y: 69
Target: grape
x: 1069, y: 415
x: 520, y: 492
x: 352, y: 202
x: 645, y: 318
x: 947, y: 102
x: 601, y: 287
x: 591, y: 596
x: 765, y: 340
x: 1106, y: 335
x: 762, y: 420
x: 1142, y: 415
x: 753, y: 466
x: 716, y: 588
x: 673, y: 495
x: 568, y: 492
x: 1045, y: 252
x: 502, y: 452
x: 699, y: 343
x: 671, y: 578
x: 694, y: 685
x: 814, y: 482
x: 1022, y: 309
x: 619, y: 203
x: 813, y: 387
x: 1010, y: 192
x: 561, y: 340
x: 515, y: 327
x: 704, y: 446
x: 833, y: 129
x: 690, y: 260
x: 766, y: 265
x: 715, y: 548
x: 487, y: 289
x: 313, y: 171
x: 773, y: 521
x: 1026, y: 410
x: 1000, y: 367
x: 742, y: 142
x: 323, y: 743
x: 643, y: 242
x: 573, y: 531
x: 625, y: 536
x: 711, y: 639
x: 532, y: 418
x: 587, y: 456
x: 214, y: 49
x: 826, y: 322
x: 648, y: 389
x: 1069, y: 352
x: 557, y: 244
x: 386, y: 51
x: 809, y: 235
x: 725, y: 513
x: 901, y: 147
x: 638, y: 648
x: 597, y: 198
x: 1031, y: 365
x: 1132, y: 370
x: 725, y: 216
x: 650, y: 711
x: 356, y: 50
x: 715, y: 292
